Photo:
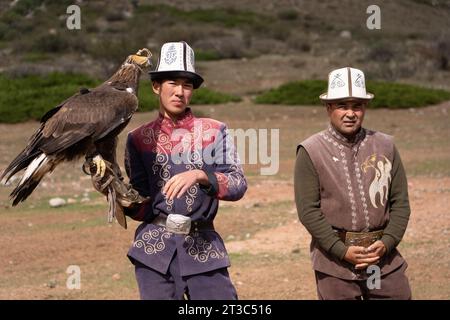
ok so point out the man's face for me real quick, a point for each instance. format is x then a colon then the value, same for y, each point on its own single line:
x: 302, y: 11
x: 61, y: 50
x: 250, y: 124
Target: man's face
x: 347, y: 116
x: 174, y: 95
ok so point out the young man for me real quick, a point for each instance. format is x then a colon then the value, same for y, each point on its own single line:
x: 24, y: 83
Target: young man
x: 352, y: 196
x: 185, y: 165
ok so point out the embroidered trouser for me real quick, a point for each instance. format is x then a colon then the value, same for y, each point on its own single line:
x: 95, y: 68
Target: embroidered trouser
x: 394, y: 285
x: 212, y: 285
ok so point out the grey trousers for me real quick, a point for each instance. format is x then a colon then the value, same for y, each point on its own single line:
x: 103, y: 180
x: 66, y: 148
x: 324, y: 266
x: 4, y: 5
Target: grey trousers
x: 212, y: 285
x: 394, y: 285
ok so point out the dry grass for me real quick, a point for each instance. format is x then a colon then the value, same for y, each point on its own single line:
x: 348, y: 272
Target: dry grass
x: 267, y: 245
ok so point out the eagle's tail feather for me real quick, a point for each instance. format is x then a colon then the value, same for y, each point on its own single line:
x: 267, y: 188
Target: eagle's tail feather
x: 24, y: 158
x: 37, y: 169
x: 19, y: 163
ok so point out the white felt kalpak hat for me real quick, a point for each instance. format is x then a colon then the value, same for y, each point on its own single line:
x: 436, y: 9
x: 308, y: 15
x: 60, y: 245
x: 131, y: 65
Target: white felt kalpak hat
x: 176, y: 60
x: 346, y: 83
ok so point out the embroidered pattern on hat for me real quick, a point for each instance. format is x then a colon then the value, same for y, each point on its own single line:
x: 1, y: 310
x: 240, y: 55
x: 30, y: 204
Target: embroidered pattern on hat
x: 171, y: 55
x: 337, y: 81
x: 359, y: 81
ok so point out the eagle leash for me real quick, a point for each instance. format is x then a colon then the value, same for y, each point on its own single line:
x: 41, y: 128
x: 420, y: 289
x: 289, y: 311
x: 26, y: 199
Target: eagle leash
x: 118, y: 193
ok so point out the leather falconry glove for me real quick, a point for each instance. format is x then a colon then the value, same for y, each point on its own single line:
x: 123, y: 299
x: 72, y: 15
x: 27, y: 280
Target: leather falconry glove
x: 119, y: 194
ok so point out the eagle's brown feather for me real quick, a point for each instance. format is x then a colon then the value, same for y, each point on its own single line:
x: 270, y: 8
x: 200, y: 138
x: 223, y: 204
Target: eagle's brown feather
x: 85, y: 124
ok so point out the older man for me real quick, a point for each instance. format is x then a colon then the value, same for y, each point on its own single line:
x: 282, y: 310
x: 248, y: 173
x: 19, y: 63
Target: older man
x: 351, y: 195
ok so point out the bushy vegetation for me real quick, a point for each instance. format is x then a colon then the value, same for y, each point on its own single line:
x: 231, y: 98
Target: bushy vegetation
x: 387, y: 94
x: 30, y: 97
x: 207, y: 55
x: 299, y: 92
x: 109, y: 33
x: 207, y: 96
x: 222, y: 31
x: 396, y: 95
x: 227, y: 17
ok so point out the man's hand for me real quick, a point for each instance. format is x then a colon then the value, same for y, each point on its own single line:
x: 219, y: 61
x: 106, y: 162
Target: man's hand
x: 180, y: 183
x: 376, y: 249
x: 360, y: 257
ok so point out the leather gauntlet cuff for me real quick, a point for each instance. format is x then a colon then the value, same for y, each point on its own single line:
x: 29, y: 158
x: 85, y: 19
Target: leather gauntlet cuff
x: 126, y: 196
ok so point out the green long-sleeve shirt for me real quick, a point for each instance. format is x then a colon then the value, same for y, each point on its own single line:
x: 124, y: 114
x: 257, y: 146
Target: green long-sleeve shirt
x: 307, y: 197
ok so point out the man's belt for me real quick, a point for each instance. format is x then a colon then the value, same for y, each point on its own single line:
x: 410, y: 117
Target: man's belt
x: 361, y: 239
x: 179, y: 224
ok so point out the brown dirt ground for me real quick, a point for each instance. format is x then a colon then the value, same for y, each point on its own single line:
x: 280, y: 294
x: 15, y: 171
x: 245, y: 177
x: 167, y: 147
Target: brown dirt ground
x: 269, y: 248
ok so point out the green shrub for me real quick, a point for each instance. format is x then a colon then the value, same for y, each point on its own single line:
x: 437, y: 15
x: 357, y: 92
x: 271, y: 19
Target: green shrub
x: 35, y: 56
x: 30, y: 97
x: 206, y: 55
x: 147, y: 99
x: 50, y: 43
x: 207, y: 96
x: 287, y: 14
x: 227, y: 17
x: 387, y: 94
x: 3, y: 31
x: 396, y: 95
x: 23, y: 7
x: 299, y: 92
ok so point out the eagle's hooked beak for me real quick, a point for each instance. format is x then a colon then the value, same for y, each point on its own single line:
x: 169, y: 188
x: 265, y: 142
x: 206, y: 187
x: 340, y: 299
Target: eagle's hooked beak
x: 142, y: 58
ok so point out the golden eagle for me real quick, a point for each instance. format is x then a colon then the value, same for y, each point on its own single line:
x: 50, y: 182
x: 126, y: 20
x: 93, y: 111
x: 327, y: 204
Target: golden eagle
x: 86, y: 124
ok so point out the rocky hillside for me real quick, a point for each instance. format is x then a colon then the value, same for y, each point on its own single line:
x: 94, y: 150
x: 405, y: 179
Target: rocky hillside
x: 242, y: 46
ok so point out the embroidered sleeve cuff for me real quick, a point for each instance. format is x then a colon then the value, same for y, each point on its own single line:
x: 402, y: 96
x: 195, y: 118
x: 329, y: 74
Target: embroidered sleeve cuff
x: 213, y: 187
x: 338, y: 249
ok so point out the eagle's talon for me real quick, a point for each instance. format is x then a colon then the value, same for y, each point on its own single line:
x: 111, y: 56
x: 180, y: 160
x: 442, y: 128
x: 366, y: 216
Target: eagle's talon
x: 100, y: 166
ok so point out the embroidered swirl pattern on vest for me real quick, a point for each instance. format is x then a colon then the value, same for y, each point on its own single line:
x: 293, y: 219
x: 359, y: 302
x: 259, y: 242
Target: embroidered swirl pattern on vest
x: 336, y: 135
x: 153, y: 241
x: 362, y: 194
x: 202, y: 250
x: 351, y: 195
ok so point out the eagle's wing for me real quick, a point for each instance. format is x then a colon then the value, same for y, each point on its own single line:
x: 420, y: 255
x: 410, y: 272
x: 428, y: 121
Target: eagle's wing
x: 78, y: 126
x: 93, y: 114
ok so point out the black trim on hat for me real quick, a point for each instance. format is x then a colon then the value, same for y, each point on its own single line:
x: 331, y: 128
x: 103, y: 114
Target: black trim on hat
x: 196, y: 79
x: 184, y: 56
x: 350, y: 82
